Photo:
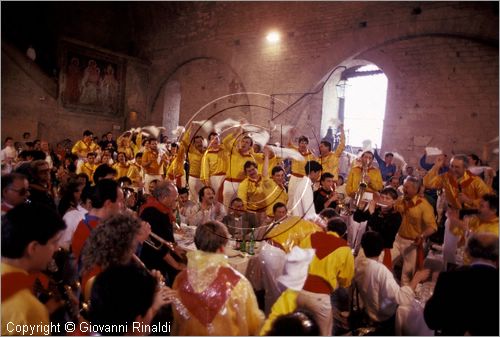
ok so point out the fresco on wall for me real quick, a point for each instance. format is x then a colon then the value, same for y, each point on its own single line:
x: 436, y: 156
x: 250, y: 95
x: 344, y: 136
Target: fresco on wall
x: 90, y: 81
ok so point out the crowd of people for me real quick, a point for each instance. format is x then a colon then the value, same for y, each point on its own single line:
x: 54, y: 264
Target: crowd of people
x: 331, y: 225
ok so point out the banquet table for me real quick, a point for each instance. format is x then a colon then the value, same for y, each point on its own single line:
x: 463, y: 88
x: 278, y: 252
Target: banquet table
x: 237, y: 259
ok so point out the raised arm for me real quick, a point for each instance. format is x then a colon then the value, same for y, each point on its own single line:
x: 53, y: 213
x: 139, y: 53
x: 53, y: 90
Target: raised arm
x: 432, y: 179
x: 341, y: 146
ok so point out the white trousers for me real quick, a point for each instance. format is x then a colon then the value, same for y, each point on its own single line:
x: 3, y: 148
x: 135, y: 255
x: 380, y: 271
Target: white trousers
x: 216, y: 183
x: 320, y: 307
x: 406, y: 250
x: 195, y: 185
x: 355, y: 231
x: 449, y: 245
x: 230, y: 192
x: 292, y: 187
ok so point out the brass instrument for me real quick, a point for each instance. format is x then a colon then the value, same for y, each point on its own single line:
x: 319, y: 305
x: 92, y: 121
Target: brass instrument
x: 63, y: 286
x: 358, y: 197
x: 342, y: 208
x: 157, y: 242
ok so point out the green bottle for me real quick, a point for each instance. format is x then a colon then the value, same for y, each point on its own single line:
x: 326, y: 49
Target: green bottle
x: 243, y: 245
x: 251, y: 245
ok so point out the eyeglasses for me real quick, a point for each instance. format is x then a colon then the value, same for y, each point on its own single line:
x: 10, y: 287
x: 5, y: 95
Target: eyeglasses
x: 21, y: 191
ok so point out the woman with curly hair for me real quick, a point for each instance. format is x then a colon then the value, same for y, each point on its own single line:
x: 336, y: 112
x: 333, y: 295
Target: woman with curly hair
x: 114, y: 242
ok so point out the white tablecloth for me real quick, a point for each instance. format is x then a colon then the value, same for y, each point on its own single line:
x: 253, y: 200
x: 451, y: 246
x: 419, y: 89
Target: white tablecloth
x: 410, y: 318
x: 237, y: 259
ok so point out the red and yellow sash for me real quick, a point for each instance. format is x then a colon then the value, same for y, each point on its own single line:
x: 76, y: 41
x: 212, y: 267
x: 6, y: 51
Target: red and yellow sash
x: 206, y: 305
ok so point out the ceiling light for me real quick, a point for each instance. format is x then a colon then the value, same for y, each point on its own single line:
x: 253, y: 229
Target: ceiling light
x: 273, y: 37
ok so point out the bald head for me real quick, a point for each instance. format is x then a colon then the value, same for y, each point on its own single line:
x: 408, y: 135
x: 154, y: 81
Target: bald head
x: 483, y: 246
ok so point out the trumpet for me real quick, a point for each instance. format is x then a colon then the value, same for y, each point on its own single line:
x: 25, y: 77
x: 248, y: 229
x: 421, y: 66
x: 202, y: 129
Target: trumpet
x: 157, y: 242
x: 358, y: 197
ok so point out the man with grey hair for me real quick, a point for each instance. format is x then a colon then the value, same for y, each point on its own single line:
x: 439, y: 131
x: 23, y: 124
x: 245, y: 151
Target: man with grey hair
x: 465, y: 300
x: 417, y: 224
x: 463, y: 192
x: 158, y: 211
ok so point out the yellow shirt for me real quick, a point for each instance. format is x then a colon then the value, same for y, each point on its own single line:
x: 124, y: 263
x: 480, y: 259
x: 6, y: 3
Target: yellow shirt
x: 337, y: 268
x: 89, y: 170
x: 121, y: 169
x: 355, y: 174
x: 330, y: 161
x: 176, y: 167
x: 154, y: 168
x: 23, y: 308
x: 284, y: 305
x: 253, y: 194
x: 472, y: 186
x: 136, y: 174
x: 81, y: 149
x: 418, y: 215
x: 126, y: 146
x: 291, y: 231
x: 235, y: 171
x: 194, y: 156
x: 274, y: 194
x: 298, y: 167
x: 213, y: 163
x: 273, y: 161
x: 476, y: 225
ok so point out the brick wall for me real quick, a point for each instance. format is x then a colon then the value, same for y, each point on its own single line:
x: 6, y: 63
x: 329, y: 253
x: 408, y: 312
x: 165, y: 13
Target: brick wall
x: 441, y: 59
x: 416, y: 44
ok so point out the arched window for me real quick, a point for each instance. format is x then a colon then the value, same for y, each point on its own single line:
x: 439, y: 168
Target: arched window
x: 360, y: 105
x: 364, y: 106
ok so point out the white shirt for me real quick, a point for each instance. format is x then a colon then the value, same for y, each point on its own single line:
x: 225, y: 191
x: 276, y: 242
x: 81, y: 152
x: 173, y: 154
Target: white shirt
x: 8, y: 152
x: 379, y: 292
x: 196, y: 216
x: 72, y: 218
x: 302, y: 201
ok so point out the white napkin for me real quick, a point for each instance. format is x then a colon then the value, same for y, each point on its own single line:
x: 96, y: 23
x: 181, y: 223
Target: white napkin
x: 433, y: 151
x: 296, y: 268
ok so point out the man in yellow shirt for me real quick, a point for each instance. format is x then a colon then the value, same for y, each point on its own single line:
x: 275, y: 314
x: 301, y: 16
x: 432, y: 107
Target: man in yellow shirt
x: 238, y: 148
x: 331, y: 267
x: 175, y: 169
x: 463, y: 191
x: 328, y: 159
x: 298, y: 166
x: 136, y: 172
x: 274, y: 188
x: 362, y: 170
x: 121, y: 166
x: 486, y: 221
x: 253, y: 192
x: 152, y: 162
x: 88, y: 167
x: 84, y: 146
x: 194, y: 152
x: 30, y: 233
x: 213, y: 164
x: 417, y: 225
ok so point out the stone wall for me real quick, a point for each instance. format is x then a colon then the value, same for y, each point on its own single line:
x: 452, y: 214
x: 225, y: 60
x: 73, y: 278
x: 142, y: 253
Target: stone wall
x: 441, y: 60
